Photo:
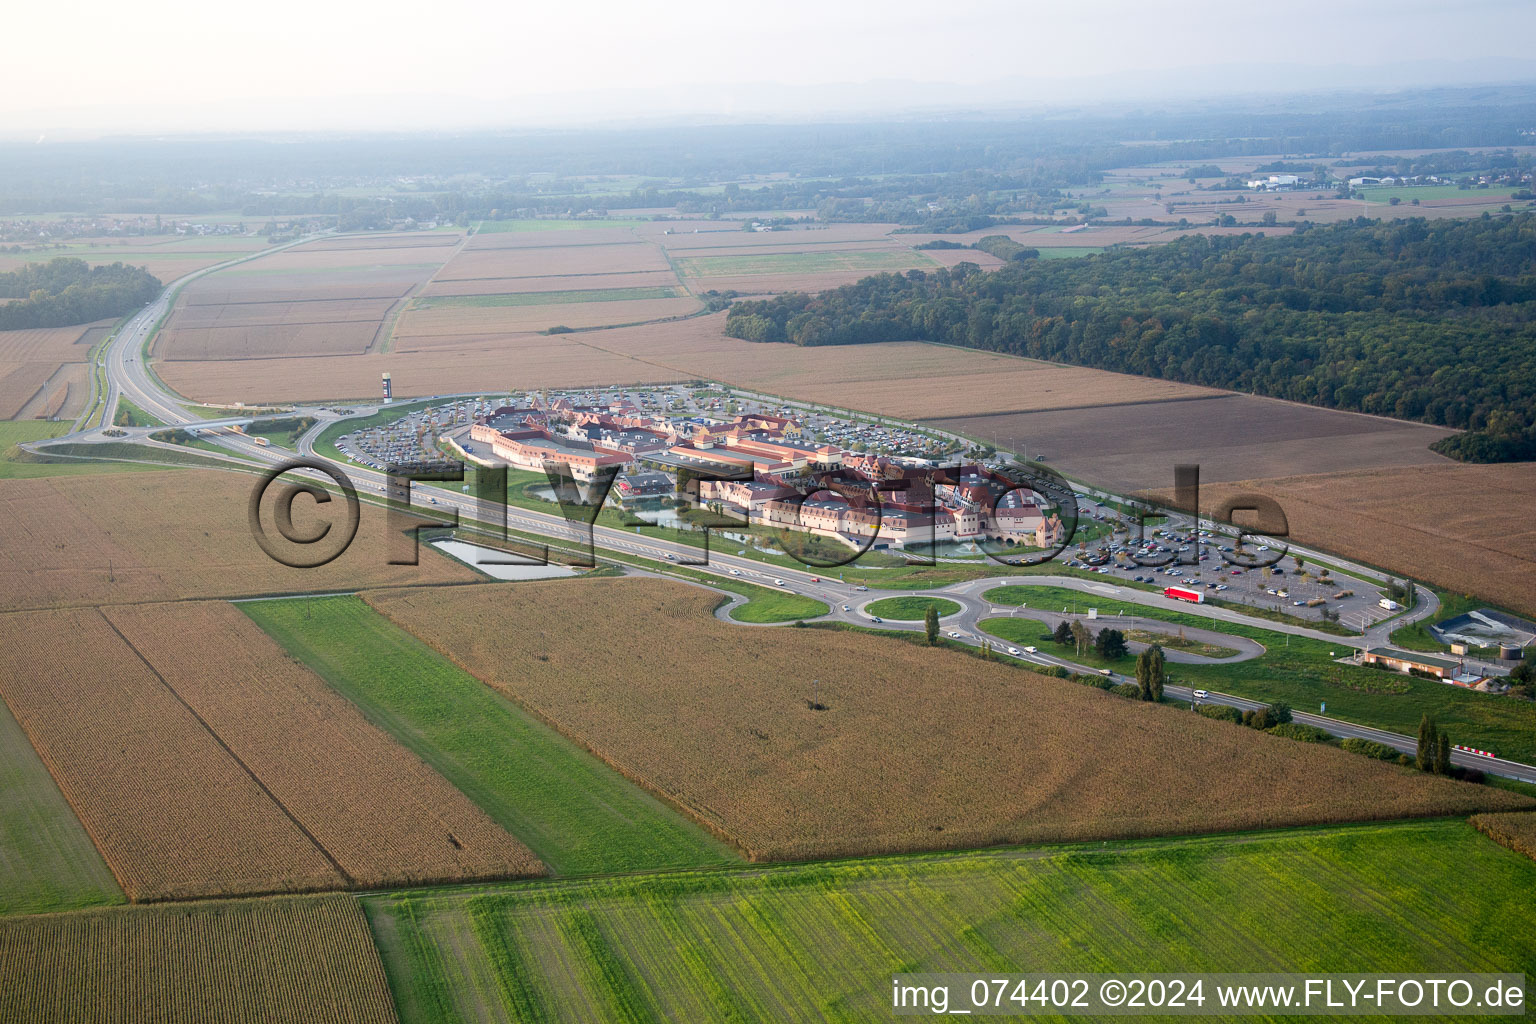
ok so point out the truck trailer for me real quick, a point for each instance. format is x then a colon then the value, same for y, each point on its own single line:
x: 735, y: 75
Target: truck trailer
x: 1181, y: 594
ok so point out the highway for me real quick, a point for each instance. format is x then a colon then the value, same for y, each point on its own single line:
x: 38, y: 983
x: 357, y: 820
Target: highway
x: 127, y: 376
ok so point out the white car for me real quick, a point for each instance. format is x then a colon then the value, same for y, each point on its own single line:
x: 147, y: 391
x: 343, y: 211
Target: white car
x: 953, y: 634
x: 735, y: 572
x: 1201, y: 694
x: 1013, y: 651
x: 847, y: 609
x: 778, y: 583
x: 1029, y: 650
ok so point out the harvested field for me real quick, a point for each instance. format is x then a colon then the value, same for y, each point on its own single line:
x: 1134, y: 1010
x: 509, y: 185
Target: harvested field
x: 163, y: 535
x: 687, y: 235
x: 406, y: 240
x: 330, y: 297
x: 535, y: 239
x: 874, y: 378
x: 334, y: 338
x: 448, y: 324
x: 167, y: 257
x: 551, y: 298
x: 1134, y: 446
x: 955, y: 257
x: 1465, y: 528
x: 19, y: 382
x: 225, y: 287
x: 272, y: 314
x: 419, y: 367
x: 55, y: 356
x: 539, y: 285
x: 864, y: 261
x: 1516, y: 831
x: 540, y: 226
x: 48, y: 344
x: 204, y: 762
x: 553, y: 261
x: 918, y: 748
x: 62, y: 395
x: 309, y: 961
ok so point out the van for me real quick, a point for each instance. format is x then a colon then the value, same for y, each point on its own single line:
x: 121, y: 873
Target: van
x: 1201, y: 694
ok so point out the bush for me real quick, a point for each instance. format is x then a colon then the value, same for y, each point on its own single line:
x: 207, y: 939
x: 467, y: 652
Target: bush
x: 1304, y: 733
x: 1054, y: 671
x: 1221, y: 712
x: 1259, y: 718
x: 1370, y: 748
x: 1130, y: 690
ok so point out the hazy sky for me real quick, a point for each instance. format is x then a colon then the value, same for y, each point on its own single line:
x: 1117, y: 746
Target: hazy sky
x: 90, y: 66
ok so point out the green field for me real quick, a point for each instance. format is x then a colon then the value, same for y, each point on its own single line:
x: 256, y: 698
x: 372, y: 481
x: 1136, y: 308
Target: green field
x: 548, y: 298
x: 493, y: 227
x: 910, y: 609
x: 1063, y: 252
x: 47, y: 862
x: 18, y: 465
x: 576, y: 813
x: 130, y: 415
x: 1408, y: 193
x: 1302, y: 671
x: 820, y: 942
x: 800, y: 263
x: 767, y: 605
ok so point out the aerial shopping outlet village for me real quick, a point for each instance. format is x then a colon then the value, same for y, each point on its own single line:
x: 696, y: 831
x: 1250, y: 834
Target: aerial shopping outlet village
x: 778, y: 569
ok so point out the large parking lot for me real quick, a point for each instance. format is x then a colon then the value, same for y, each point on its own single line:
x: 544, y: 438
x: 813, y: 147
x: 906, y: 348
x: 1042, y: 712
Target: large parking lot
x: 1207, y: 562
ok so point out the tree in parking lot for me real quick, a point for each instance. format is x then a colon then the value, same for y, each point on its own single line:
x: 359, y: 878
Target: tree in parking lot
x: 931, y: 625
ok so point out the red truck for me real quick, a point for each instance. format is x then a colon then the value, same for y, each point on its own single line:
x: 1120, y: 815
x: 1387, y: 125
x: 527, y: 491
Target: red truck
x: 1181, y: 594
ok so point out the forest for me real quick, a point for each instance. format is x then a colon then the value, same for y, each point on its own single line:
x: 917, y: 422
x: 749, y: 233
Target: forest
x: 67, y: 291
x: 1432, y: 321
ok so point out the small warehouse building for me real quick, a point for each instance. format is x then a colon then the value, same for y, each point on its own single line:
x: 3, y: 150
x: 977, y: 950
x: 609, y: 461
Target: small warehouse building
x: 1404, y: 661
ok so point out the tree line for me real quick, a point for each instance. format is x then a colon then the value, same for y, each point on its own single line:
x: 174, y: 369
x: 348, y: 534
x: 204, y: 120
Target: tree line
x: 67, y: 290
x: 1432, y: 321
